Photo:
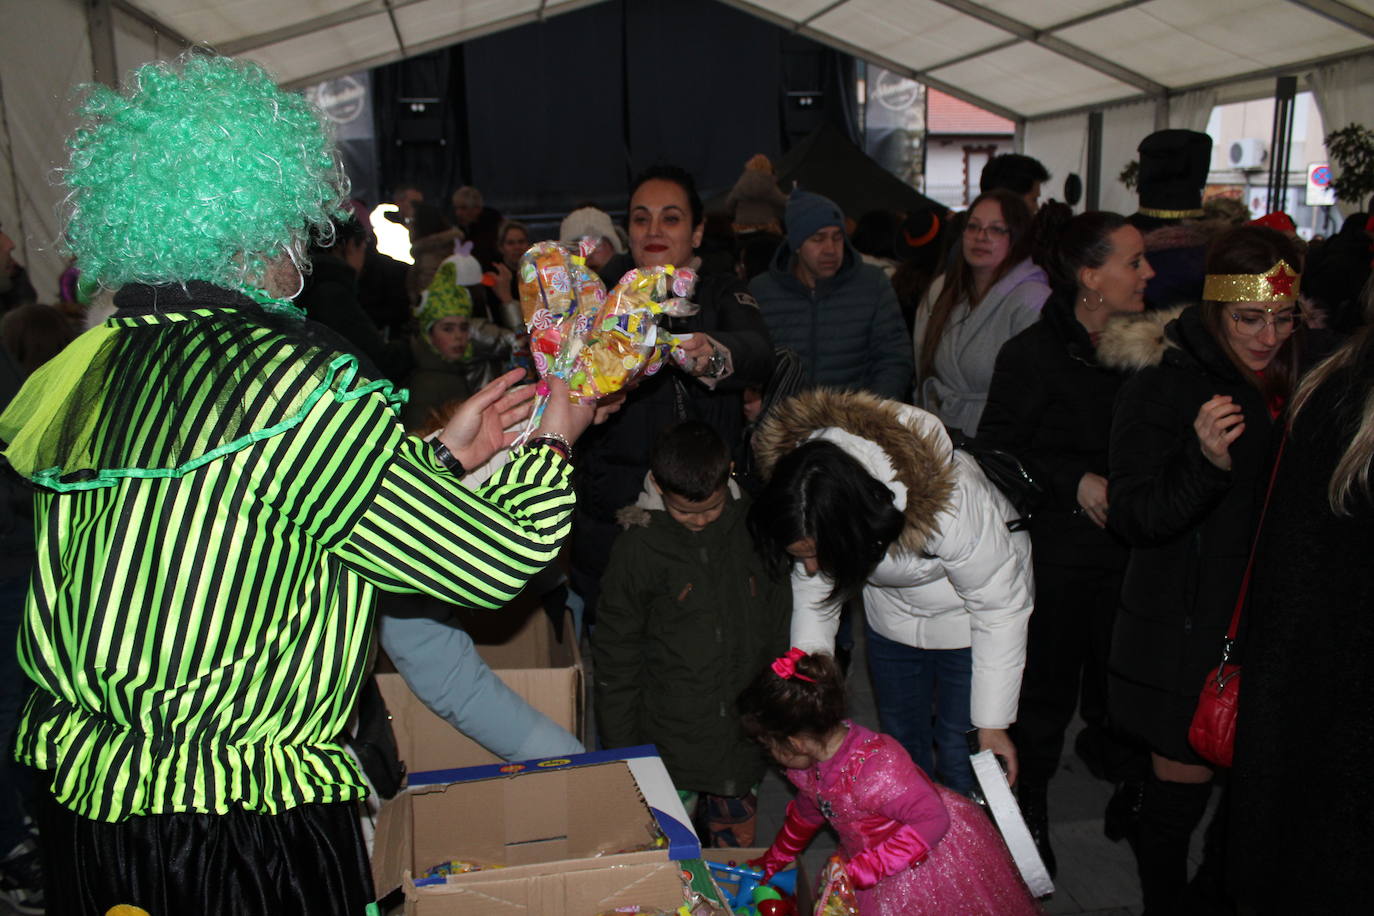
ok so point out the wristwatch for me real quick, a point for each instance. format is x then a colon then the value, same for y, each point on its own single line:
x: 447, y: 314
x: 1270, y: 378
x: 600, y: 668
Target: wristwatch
x: 448, y: 460
x: 715, y: 365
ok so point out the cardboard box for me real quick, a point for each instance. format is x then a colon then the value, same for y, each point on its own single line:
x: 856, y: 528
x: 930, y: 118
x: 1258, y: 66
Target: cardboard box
x: 558, y: 826
x: 520, y: 645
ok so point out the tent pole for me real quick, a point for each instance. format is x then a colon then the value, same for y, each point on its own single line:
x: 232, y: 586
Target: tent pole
x: 1285, y: 88
x: 1093, y: 192
x: 100, y: 28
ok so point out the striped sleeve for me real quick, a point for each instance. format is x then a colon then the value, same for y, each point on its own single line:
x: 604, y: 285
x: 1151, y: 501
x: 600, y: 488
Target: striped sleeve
x: 425, y: 532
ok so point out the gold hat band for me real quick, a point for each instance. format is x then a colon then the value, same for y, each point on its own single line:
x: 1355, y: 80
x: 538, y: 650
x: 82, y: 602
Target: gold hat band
x: 1170, y: 214
x: 1277, y: 284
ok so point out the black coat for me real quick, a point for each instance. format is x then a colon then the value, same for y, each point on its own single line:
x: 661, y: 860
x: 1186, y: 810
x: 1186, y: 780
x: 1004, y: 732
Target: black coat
x: 1302, y: 830
x: 1189, y: 525
x: 685, y: 621
x: 1050, y: 405
x: 1336, y: 271
x: 330, y: 297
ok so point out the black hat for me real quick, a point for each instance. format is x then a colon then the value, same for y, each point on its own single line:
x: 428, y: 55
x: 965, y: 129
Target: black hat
x: 919, y: 234
x: 1173, y: 170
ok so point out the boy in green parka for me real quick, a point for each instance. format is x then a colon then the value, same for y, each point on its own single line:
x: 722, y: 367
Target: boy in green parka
x: 688, y: 615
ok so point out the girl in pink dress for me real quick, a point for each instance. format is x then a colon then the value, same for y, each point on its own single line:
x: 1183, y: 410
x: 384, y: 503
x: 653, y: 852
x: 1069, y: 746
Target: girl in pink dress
x: 912, y: 847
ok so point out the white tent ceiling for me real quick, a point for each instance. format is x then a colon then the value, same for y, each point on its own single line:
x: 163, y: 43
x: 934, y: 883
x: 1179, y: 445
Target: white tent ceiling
x: 1020, y: 58
x: 1044, y: 63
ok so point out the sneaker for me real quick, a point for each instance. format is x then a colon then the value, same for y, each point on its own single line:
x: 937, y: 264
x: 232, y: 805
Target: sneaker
x: 21, y: 878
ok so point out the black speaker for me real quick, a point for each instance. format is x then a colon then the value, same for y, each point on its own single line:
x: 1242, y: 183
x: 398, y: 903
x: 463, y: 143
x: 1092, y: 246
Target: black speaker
x: 420, y: 120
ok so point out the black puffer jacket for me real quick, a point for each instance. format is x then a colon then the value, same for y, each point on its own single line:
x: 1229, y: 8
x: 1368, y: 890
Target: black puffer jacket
x: 1189, y: 523
x: 1050, y: 405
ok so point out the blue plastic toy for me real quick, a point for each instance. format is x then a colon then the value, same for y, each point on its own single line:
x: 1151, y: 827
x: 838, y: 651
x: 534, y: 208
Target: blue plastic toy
x: 745, y: 879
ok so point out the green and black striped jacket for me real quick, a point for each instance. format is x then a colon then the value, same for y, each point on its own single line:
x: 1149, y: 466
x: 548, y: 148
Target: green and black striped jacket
x: 202, y: 604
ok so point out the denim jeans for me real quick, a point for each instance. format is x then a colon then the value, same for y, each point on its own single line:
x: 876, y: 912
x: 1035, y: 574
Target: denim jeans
x: 908, y: 683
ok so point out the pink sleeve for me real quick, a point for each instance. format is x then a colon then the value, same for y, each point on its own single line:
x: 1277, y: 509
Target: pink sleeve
x: 903, y: 849
x: 797, y: 831
x: 898, y: 790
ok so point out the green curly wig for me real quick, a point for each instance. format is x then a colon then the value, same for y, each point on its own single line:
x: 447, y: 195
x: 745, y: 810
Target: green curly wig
x: 200, y: 170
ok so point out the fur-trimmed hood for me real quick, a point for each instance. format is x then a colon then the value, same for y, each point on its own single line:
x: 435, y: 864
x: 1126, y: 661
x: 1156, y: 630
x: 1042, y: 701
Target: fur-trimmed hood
x: 904, y: 447
x: 1135, y: 341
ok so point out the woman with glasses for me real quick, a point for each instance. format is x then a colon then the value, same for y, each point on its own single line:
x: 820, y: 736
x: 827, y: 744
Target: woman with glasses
x: 1191, y: 447
x: 991, y: 292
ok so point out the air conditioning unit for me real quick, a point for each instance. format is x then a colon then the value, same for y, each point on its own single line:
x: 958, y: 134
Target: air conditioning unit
x: 1247, y: 153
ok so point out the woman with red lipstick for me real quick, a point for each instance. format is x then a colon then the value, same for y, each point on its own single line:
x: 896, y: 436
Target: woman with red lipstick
x: 1050, y: 405
x: 991, y: 292
x: 1191, y: 447
x: 727, y: 349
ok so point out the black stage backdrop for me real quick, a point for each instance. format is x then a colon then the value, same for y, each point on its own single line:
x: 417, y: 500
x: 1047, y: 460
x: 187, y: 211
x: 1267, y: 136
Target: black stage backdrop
x: 550, y: 115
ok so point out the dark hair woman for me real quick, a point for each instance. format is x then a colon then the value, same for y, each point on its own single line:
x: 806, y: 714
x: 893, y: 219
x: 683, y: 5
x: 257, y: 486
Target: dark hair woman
x: 866, y: 496
x: 1190, y: 452
x: 1050, y: 405
x: 990, y: 293
x: 1307, y: 614
x: 727, y: 346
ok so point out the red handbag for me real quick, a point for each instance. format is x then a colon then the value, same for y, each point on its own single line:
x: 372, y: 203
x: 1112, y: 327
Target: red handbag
x: 1212, y: 732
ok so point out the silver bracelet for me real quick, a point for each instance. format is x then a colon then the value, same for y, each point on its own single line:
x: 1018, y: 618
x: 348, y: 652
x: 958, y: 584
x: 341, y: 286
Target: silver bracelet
x: 555, y: 441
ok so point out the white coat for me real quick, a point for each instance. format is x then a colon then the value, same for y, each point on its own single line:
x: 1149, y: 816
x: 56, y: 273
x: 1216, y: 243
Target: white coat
x: 955, y: 578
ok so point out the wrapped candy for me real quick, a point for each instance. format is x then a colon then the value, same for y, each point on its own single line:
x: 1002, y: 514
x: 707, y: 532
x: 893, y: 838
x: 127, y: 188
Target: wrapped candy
x: 455, y: 867
x: 597, y: 343
x: 623, y: 338
x: 556, y: 282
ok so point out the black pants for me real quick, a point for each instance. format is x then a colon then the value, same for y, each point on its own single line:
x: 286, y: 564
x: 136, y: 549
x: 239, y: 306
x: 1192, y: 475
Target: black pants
x: 309, y: 860
x: 1066, y: 662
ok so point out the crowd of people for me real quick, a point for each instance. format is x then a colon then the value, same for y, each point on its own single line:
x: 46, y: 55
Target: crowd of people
x: 207, y: 489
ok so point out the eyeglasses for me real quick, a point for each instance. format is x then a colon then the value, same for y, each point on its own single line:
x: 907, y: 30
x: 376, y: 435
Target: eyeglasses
x: 1251, y: 322
x: 994, y: 231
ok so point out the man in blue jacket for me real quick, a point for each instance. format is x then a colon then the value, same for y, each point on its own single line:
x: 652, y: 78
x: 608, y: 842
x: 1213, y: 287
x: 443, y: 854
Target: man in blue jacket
x: 839, y: 314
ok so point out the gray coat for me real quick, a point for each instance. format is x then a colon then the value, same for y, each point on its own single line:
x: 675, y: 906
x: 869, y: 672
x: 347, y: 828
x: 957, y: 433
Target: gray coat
x: 957, y: 388
x: 848, y: 331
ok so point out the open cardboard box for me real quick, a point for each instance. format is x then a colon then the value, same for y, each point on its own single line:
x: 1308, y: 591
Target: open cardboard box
x: 557, y: 826
x: 520, y: 644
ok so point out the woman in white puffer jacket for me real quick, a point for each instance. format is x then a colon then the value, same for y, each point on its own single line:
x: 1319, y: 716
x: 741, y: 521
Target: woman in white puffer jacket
x: 868, y: 496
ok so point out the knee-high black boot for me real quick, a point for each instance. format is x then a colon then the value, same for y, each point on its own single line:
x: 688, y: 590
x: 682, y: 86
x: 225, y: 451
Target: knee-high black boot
x: 1168, y: 815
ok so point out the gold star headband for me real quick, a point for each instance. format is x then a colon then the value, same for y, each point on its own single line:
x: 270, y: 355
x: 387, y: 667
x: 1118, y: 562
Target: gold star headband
x: 1277, y: 284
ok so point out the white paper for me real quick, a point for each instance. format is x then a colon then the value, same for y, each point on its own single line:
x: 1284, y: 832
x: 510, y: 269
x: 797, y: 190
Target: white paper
x: 1007, y: 814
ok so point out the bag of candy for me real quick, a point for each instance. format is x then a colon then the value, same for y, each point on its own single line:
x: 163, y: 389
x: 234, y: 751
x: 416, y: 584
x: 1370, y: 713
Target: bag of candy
x: 623, y: 339
x: 834, y: 891
x: 597, y: 343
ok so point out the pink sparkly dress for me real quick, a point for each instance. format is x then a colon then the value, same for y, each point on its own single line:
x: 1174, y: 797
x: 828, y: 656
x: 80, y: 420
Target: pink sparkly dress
x: 913, y: 847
